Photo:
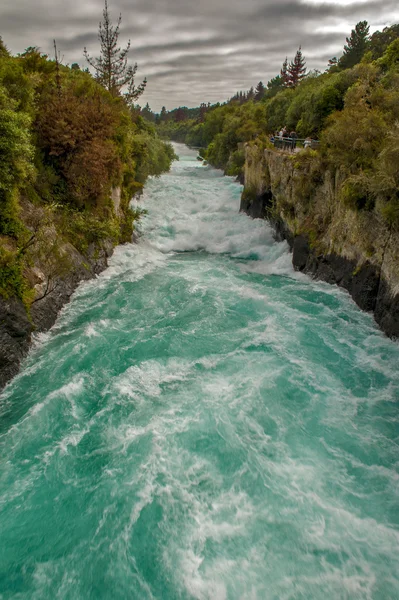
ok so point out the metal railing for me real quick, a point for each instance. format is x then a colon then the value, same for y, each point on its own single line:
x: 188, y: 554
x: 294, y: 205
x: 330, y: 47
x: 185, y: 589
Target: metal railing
x: 290, y: 144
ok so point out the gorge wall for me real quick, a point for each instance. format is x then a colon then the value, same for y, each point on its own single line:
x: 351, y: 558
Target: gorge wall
x: 56, y: 269
x: 353, y: 249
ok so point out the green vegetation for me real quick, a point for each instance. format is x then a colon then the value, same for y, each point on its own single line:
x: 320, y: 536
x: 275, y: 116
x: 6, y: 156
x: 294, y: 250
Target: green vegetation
x: 67, y: 141
x: 352, y: 108
x: 356, y: 45
x: 111, y: 67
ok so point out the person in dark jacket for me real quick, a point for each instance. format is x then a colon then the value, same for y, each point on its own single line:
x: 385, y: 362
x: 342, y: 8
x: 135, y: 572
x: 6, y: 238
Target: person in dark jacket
x: 294, y: 138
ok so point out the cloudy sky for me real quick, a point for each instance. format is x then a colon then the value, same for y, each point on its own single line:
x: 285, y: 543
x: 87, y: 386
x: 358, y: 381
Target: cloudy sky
x: 194, y: 51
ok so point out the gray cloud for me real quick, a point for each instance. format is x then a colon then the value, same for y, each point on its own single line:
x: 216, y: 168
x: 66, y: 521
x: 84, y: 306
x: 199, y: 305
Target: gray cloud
x: 194, y: 51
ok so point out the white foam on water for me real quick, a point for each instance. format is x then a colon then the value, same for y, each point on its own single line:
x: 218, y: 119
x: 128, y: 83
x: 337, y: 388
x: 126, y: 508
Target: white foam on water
x: 72, y: 439
x: 208, y: 220
x: 145, y: 380
x: 71, y: 391
x: 90, y: 331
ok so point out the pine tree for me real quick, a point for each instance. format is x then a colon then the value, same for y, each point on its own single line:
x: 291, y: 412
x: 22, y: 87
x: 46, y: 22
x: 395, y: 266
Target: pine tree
x: 356, y: 45
x: 147, y: 113
x: 251, y: 94
x: 296, y: 69
x: 285, y: 78
x: 274, y: 86
x: 332, y: 64
x: 203, y: 109
x: 3, y: 48
x: 111, y: 67
x: 259, y: 92
x: 162, y: 116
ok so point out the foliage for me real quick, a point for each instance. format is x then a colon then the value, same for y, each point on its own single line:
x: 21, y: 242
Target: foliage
x: 284, y: 73
x: 152, y: 156
x: 356, y: 45
x: 3, y: 49
x: 15, y: 144
x: 75, y: 133
x: 352, y: 108
x: 380, y: 40
x: 12, y: 282
x: 390, y: 59
x: 277, y: 108
x: 235, y: 164
x: 355, y: 192
x: 275, y: 85
x: 85, y: 228
x: 259, y: 92
x: 16, y: 155
x: 296, y: 69
x: 384, y: 183
x: 65, y: 143
x: 354, y: 135
x: 314, y: 100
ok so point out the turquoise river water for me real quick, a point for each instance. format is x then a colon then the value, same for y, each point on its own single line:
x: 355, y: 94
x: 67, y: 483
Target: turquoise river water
x: 202, y: 423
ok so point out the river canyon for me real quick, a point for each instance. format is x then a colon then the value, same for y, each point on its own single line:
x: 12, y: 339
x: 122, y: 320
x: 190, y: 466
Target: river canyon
x: 202, y: 422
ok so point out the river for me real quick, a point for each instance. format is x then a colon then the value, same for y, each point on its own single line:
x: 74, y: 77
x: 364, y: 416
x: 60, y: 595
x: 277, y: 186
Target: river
x: 202, y: 423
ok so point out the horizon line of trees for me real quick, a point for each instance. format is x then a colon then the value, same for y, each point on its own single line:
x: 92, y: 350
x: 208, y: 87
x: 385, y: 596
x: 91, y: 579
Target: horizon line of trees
x: 291, y: 74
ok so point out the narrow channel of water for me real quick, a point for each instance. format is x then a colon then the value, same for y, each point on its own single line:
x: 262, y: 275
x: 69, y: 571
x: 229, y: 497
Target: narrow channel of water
x: 202, y: 423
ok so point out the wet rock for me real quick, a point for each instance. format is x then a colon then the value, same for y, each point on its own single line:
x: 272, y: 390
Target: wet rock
x: 15, y: 337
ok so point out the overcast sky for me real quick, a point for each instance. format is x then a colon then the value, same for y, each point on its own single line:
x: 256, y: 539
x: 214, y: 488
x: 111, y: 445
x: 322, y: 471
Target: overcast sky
x: 194, y: 51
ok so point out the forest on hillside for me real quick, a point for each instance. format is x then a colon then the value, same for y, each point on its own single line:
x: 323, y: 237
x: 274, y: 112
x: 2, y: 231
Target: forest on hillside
x: 352, y: 108
x: 67, y: 139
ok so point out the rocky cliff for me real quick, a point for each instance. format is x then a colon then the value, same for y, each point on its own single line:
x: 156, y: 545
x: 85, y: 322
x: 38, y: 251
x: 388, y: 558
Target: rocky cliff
x: 56, y: 269
x: 353, y: 249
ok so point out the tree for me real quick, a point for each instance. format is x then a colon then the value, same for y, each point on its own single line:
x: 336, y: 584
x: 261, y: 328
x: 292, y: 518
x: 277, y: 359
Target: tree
x: 3, y: 48
x: 356, y: 45
x: 380, y: 40
x: 181, y: 114
x: 163, y: 115
x: 274, y: 86
x: 332, y: 64
x: 259, y: 92
x: 111, y: 67
x: 285, y: 78
x: 147, y: 113
x: 296, y: 69
x: 74, y: 133
x: 57, y: 68
x: 203, y: 109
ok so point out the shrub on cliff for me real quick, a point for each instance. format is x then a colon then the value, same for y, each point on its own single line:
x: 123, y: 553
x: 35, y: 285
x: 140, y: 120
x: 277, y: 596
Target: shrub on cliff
x: 385, y: 183
x: 75, y: 133
x: 363, y: 139
x: 65, y: 142
x: 152, y: 156
x: 16, y: 153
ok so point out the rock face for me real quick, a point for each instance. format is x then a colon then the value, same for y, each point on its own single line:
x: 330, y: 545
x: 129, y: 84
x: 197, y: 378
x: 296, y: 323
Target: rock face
x: 15, y: 332
x: 53, y: 289
x: 353, y: 249
x: 44, y: 311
